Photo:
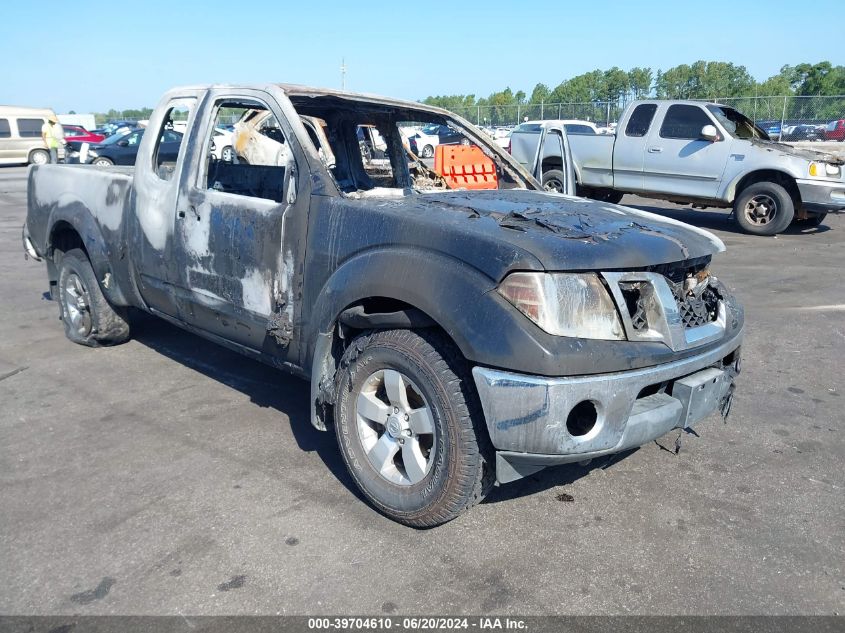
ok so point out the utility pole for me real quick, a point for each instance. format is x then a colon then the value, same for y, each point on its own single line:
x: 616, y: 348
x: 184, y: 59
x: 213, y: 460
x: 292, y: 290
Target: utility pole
x: 343, y: 73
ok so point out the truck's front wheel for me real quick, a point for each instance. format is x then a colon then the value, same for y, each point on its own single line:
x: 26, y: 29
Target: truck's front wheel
x: 87, y: 316
x: 410, y: 428
x: 764, y: 208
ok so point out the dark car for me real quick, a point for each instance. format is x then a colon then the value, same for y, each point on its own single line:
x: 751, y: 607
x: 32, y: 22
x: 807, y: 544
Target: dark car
x: 447, y: 135
x: 804, y: 132
x: 771, y: 128
x: 434, y: 134
x: 121, y: 149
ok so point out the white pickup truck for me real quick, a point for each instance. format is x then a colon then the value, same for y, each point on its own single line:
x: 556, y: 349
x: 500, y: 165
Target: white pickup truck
x: 698, y: 153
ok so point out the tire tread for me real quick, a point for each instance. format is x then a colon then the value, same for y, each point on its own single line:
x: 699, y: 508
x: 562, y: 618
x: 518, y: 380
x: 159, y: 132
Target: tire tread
x: 476, y: 475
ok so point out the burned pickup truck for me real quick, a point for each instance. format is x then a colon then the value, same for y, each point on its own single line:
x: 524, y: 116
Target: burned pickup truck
x: 458, y: 325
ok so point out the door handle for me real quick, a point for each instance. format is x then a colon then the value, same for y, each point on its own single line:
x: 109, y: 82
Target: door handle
x: 655, y: 150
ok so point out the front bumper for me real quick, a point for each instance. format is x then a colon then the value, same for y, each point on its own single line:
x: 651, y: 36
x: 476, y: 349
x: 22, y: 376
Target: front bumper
x: 822, y: 196
x: 535, y: 421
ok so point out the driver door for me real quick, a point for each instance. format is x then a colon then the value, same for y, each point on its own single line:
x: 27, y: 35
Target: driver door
x: 678, y: 161
x: 235, y: 278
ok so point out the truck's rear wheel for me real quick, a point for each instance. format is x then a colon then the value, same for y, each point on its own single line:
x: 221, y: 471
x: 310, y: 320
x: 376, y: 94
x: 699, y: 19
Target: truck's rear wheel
x: 764, y: 208
x: 87, y: 316
x: 553, y: 180
x: 602, y: 195
x: 410, y: 428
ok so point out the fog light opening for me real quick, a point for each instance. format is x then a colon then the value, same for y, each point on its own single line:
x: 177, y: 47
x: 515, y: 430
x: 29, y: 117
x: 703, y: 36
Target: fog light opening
x: 582, y: 419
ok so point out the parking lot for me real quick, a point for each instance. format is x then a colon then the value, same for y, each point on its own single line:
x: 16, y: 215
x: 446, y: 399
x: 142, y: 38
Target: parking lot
x: 169, y: 475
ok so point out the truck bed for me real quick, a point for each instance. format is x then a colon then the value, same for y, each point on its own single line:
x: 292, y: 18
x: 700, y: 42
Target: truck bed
x: 593, y: 158
x: 70, y: 190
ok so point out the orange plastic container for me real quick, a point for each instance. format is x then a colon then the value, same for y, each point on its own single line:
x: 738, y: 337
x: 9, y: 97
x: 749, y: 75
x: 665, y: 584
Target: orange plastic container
x: 465, y: 167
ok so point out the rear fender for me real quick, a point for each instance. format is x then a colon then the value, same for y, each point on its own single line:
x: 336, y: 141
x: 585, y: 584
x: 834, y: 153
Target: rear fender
x: 81, y: 220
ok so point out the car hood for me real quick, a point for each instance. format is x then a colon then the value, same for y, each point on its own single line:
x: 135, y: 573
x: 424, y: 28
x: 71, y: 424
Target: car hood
x: 800, y: 152
x: 561, y: 233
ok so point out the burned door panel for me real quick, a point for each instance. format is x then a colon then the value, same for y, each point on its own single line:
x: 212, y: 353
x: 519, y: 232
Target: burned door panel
x: 235, y: 278
x: 151, y: 227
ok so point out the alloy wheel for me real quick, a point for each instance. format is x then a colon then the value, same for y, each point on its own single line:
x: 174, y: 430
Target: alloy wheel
x: 395, y: 427
x: 761, y: 209
x: 77, y: 304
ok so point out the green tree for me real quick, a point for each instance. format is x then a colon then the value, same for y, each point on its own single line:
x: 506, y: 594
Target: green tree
x: 816, y: 79
x: 639, y: 81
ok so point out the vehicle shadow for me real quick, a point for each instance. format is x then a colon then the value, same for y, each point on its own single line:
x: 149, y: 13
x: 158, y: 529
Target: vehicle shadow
x: 716, y: 219
x: 264, y: 385
x: 288, y: 394
x: 553, y: 477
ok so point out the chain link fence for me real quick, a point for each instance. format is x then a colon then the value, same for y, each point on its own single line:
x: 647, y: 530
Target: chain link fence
x: 602, y: 113
x: 777, y: 114
x: 791, y: 118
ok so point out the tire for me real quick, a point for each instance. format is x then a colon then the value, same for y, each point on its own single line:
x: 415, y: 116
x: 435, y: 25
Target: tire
x: 812, y: 221
x: 427, y: 152
x: 816, y: 219
x: 608, y: 195
x: 764, y: 208
x: 39, y: 157
x: 428, y: 465
x: 87, y: 316
x: 102, y: 161
x: 553, y: 180
x: 602, y: 195
x: 227, y: 154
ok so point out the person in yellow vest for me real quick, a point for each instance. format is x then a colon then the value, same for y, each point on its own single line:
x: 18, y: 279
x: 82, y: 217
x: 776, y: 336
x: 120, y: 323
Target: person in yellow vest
x: 53, y: 136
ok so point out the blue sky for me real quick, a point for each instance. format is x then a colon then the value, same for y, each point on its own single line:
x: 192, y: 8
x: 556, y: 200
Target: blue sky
x: 92, y: 55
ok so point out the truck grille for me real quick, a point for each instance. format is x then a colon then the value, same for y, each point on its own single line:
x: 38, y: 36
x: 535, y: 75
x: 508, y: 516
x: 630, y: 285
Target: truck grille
x: 635, y: 293
x: 696, y: 308
x: 679, y: 303
x: 696, y: 311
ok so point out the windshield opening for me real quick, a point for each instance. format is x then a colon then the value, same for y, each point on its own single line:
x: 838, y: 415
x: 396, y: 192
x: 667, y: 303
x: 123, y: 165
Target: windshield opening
x: 736, y: 123
x: 385, y: 150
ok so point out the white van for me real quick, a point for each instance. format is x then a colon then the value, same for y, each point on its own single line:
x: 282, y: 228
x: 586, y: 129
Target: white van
x: 20, y: 135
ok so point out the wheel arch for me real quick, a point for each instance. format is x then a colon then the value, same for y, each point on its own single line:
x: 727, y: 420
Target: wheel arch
x: 73, y: 225
x: 782, y: 178
x: 357, y: 297
x: 552, y: 162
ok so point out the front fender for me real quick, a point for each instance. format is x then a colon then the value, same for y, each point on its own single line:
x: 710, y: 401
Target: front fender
x: 486, y: 328
x: 447, y: 290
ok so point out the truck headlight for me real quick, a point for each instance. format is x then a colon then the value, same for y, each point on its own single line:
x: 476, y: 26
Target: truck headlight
x: 831, y: 171
x: 565, y: 304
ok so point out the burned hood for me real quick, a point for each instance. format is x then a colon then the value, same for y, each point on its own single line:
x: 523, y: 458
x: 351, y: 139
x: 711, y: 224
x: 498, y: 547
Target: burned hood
x: 800, y: 152
x: 568, y: 233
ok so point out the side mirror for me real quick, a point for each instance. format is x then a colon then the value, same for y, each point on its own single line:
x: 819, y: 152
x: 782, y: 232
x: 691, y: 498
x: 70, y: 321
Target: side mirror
x: 123, y: 143
x: 710, y: 133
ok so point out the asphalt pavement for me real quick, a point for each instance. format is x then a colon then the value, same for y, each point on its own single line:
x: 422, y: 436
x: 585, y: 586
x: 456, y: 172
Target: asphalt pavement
x: 170, y: 476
